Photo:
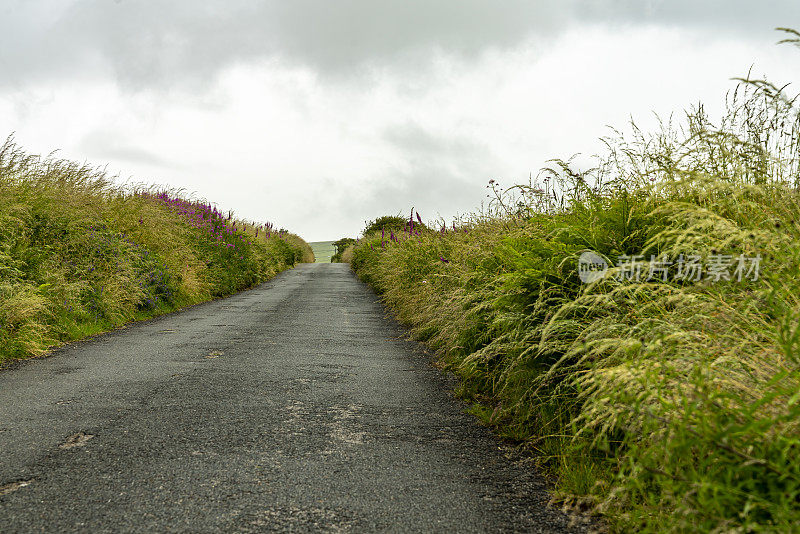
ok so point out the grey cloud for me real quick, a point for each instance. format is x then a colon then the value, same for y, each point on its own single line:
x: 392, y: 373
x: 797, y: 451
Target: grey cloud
x: 429, y: 185
x: 439, y: 174
x: 411, y: 138
x: 436, y: 174
x: 746, y: 18
x: 432, y: 187
x: 109, y: 146
x: 146, y: 43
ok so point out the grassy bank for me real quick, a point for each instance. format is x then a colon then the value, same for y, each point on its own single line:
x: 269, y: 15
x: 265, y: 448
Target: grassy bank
x: 79, y: 255
x: 663, y: 400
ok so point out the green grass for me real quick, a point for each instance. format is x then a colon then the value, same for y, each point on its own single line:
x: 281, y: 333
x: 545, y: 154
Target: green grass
x: 665, y: 406
x: 80, y: 256
x: 323, y: 251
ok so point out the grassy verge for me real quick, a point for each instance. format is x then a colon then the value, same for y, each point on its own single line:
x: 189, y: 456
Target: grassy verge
x: 661, y: 401
x: 79, y: 256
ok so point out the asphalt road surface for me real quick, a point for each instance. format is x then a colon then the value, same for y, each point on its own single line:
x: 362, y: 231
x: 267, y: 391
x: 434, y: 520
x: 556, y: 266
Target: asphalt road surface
x: 296, y: 406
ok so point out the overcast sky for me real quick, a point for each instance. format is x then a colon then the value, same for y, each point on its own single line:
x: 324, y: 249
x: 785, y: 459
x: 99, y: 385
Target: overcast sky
x: 319, y: 114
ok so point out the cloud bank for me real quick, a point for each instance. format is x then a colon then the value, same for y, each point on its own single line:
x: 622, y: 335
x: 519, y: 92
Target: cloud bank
x: 319, y: 114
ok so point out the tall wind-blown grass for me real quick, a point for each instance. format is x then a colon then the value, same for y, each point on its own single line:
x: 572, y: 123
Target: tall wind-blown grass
x: 79, y: 255
x: 664, y: 404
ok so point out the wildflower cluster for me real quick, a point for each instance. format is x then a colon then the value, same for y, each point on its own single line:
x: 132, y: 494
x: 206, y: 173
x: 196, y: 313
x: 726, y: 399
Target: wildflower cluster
x: 396, y: 230
x: 221, y: 228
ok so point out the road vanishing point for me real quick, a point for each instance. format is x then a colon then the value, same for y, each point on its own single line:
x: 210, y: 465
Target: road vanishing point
x: 297, y: 406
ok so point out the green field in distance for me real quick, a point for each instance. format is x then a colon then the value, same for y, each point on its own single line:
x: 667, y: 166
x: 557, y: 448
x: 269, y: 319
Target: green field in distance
x: 323, y: 250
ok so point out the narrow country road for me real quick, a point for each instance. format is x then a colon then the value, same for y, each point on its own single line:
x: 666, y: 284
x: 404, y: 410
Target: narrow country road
x: 296, y: 406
